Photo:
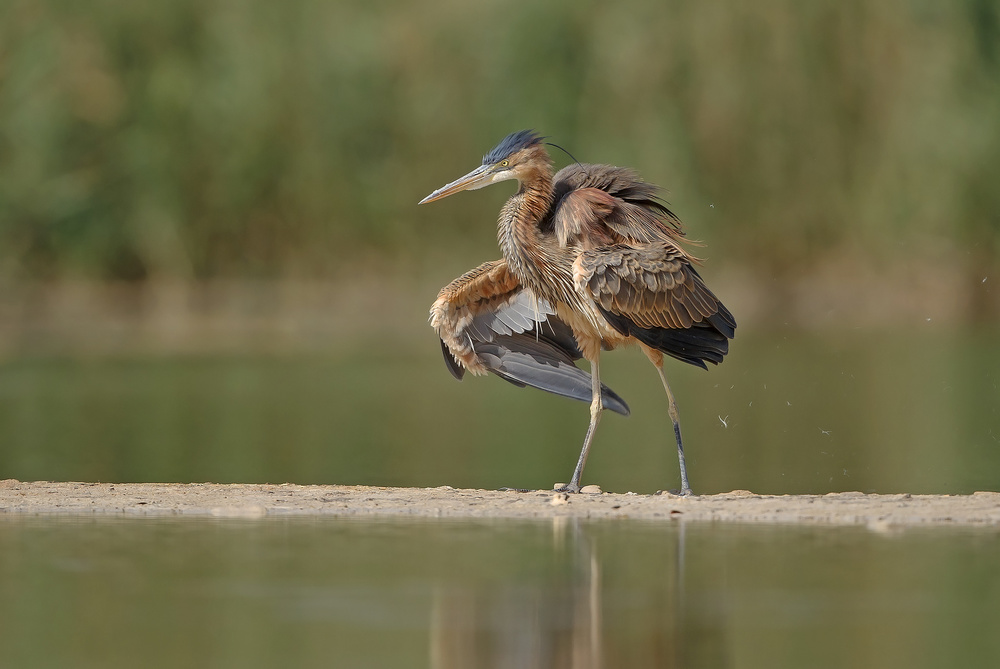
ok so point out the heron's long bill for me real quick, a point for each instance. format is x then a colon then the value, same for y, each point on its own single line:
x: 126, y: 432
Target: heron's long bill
x: 477, y: 178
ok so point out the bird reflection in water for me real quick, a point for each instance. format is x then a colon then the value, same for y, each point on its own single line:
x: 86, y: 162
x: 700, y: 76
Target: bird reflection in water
x: 562, y: 622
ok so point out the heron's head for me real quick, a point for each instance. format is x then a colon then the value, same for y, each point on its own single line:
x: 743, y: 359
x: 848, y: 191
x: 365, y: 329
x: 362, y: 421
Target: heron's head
x: 518, y: 156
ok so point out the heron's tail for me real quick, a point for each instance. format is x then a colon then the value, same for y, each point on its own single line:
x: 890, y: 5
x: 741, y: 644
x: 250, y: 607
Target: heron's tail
x: 707, y: 341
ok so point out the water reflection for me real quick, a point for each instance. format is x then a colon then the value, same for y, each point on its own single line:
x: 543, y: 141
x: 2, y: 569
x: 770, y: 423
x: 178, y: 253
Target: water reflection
x: 560, y: 626
x: 760, y: 596
x: 563, y: 622
x: 329, y: 592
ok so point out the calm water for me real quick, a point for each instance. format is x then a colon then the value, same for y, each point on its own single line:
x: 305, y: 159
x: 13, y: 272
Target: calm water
x: 784, y: 414
x: 340, y: 593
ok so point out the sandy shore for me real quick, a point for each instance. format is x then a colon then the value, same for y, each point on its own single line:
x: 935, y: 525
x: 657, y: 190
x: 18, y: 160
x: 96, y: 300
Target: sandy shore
x: 257, y: 501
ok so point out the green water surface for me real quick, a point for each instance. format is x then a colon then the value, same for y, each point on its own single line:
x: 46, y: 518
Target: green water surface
x: 129, y: 592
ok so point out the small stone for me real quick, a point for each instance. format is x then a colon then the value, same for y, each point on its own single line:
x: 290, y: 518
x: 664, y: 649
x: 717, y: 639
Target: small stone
x: 559, y: 499
x: 591, y: 489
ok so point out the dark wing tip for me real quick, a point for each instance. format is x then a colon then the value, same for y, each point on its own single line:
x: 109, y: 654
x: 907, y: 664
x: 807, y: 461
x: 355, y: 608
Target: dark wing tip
x: 707, y: 341
x: 724, y: 321
x: 451, y: 363
x: 611, y: 400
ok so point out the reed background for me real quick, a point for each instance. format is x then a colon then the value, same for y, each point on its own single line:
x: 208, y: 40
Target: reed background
x: 840, y: 159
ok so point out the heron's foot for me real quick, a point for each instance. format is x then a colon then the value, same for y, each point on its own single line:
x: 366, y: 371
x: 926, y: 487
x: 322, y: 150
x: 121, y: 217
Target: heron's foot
x: 686, y: 492
x: 515, y: 490
x: 567, y: 487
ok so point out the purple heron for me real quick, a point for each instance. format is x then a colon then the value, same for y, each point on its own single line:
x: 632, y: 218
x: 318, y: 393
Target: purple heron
x: 592, y: 260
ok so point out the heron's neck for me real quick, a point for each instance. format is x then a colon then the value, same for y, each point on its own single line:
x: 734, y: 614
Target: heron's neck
x: 518, y: 232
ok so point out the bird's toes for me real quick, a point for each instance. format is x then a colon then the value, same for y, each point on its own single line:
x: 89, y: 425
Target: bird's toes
x: 566, y: 487
x: 686, y: 492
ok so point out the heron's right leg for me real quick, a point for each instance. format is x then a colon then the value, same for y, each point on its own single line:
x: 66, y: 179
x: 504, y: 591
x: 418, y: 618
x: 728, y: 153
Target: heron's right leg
x: 596, y: 407
x: 675, y: 419
x: 656, y: 358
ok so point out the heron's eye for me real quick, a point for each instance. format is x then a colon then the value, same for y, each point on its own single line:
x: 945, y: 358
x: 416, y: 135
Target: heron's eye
x: 504, y: 163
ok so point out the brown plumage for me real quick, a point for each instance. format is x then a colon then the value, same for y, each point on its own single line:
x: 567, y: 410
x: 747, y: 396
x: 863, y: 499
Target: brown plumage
x: 592, y: 259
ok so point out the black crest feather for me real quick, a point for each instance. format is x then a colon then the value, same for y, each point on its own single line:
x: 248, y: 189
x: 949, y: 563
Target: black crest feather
x: 511, y: 143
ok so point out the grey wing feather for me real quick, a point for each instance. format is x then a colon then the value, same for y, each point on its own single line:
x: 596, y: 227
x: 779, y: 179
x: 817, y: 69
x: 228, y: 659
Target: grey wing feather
x: 525, y: 360
x: 519, y: 314
x: 523, y: 342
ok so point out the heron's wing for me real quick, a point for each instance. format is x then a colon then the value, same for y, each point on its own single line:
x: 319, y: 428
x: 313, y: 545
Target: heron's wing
x: 488, y: 322
x: 524, y: 360
x: 479, y: 305
x: 600, y: 204
x: 652, y: 292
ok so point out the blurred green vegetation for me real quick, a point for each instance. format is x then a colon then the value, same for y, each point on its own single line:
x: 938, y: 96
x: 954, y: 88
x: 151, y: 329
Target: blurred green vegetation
x: 198, y: 139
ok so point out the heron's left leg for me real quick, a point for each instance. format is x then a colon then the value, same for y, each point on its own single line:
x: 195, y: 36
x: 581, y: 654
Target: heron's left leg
x: 657, y: 359
x: 596, y: 407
